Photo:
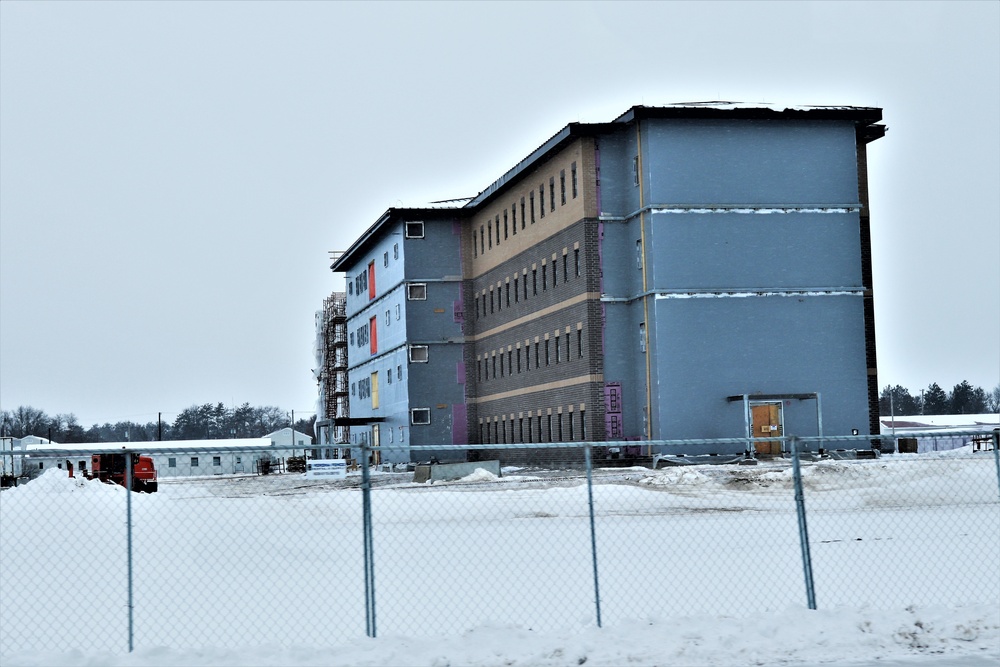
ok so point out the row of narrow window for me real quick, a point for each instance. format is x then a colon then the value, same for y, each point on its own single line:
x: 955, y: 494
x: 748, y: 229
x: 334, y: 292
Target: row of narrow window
x: 366, y: 279
x: 385, y: 434
x: 558, y: 427
x: 527, y: 209
x: 547, y: 352
x: 519, y: 288
x: 363, y: 387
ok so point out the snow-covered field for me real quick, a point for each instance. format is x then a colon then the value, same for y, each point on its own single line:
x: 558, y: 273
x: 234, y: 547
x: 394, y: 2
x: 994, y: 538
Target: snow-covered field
x: 698, y: 565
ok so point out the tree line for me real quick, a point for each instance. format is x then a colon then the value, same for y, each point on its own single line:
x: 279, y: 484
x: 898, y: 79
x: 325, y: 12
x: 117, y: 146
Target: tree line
x: 963, y: 399
x: 198, y: 422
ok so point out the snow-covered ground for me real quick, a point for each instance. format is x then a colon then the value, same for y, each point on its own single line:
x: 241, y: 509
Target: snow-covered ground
x: 698, y: 565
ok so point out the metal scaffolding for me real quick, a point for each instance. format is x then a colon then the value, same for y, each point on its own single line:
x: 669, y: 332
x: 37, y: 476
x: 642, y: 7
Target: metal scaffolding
x: 332, y: 376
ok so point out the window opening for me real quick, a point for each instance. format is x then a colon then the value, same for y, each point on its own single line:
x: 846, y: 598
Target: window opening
x: 416, y: 291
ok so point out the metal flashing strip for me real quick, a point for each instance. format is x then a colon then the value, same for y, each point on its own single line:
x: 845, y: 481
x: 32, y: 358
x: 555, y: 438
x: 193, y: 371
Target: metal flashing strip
x: 739, y: 292
x: 741, y: 208
x: 760, y: 209
x: 749, y: 294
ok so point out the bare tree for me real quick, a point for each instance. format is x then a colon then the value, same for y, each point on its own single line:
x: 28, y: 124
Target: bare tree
x: 993, y: 399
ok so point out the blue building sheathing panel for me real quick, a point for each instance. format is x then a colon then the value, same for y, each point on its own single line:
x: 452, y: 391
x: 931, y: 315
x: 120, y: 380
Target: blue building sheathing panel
x: 754, y: 250
x: 763, y: 162
x: 722, y: 347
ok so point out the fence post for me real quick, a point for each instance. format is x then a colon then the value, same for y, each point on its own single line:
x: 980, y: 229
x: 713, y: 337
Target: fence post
x: 593, y: 533
x: 366, y: 520
x: 128, y: 523
x: 800, y: 509
x: 996, y: 454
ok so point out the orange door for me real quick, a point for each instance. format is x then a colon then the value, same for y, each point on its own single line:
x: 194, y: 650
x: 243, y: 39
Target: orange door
x: 766, y: 420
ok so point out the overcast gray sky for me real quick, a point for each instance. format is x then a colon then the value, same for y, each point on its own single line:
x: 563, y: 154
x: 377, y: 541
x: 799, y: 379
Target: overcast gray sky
x: 173, y: 175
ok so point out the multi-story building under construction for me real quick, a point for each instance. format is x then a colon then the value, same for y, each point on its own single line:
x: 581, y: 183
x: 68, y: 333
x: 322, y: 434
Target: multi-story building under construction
x: 681, y: 272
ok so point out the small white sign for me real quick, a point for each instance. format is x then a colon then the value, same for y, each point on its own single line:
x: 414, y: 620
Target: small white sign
x: 329, y: 468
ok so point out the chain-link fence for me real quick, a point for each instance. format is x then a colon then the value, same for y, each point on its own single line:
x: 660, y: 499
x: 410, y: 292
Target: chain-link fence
x: 286, y: 558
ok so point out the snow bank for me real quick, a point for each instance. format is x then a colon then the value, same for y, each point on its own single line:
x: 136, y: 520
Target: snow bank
x: 677, y: 477
x: 480, y: 475
x: 56, y: 481
x: 920, y: 636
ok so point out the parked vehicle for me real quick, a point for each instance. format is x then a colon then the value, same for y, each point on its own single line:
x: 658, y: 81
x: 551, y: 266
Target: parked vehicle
x: 110, y: 468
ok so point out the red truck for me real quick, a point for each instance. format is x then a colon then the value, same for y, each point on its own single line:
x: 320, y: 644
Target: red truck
x: 110, y: 468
